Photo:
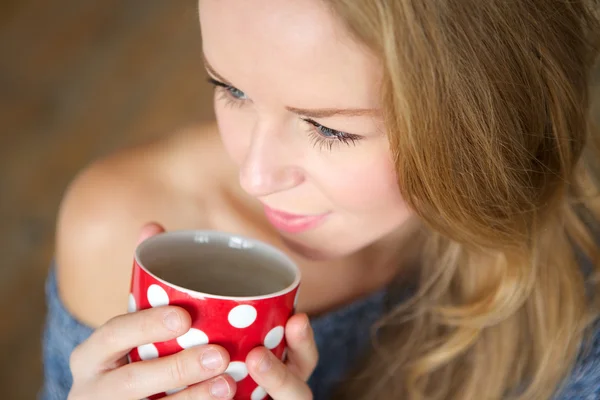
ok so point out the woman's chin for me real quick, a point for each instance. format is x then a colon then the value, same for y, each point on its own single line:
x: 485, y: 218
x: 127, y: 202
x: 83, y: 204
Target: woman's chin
x: 308, y: 250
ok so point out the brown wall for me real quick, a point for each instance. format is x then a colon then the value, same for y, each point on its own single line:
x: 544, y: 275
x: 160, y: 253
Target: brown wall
x: 78, y: 78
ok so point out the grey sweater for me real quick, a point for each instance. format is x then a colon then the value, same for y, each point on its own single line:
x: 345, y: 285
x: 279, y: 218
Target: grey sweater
x: 342, y: 336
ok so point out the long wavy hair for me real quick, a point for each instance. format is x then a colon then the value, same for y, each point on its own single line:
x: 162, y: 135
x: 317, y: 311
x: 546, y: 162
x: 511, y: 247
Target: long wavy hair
x: 488, y: 112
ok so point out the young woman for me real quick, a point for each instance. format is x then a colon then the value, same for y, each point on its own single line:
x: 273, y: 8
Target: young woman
x: 429, y: 165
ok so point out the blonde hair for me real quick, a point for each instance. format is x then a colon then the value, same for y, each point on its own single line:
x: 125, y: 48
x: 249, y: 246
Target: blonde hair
x: 488, y: 112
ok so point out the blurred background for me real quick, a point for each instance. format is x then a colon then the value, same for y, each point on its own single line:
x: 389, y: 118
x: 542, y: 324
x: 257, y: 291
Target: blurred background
x: 78, y: 79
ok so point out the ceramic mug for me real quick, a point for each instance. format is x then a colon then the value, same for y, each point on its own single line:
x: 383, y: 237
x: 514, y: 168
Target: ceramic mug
x: 240, y: 292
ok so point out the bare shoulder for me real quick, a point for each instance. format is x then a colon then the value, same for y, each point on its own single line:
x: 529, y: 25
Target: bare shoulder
x: 104, y: 209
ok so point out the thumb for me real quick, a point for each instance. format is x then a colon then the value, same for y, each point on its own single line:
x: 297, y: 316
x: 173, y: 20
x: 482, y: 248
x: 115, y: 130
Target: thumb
x: 148, y: 230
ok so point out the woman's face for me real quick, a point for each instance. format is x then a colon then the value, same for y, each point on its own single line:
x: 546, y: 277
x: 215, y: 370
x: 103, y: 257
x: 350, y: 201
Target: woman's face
x: 298, y: 109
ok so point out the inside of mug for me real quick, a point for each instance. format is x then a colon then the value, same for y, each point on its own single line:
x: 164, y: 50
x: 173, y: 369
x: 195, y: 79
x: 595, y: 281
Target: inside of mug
x: 217, y: 263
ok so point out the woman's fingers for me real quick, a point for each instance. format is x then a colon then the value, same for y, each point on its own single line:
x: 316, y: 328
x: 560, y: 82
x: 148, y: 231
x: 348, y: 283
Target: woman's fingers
x: 287, y: 381
x: 221, y: 387
x: 188, y: 367
x: 93, y: 362
x: 275, y: 377
x: 302, y: 355
x: 113, y: 340
x: 148, y: 230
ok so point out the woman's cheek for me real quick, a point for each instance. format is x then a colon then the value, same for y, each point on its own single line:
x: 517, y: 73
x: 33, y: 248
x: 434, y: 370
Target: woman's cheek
x: 235, y: 133
x: 365, y: 186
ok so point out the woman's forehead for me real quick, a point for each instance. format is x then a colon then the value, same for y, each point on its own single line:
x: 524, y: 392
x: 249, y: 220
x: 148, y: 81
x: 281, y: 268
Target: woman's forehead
x: 297, y: 47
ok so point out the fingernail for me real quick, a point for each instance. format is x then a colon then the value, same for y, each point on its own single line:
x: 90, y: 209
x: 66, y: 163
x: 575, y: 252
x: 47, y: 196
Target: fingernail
x: 265, y: 363
x: 220, y: 388
x: 172, y: 321
x: 211, y: 359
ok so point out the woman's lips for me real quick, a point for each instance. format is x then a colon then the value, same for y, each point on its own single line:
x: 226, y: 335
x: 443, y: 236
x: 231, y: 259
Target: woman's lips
x: 293, y: 223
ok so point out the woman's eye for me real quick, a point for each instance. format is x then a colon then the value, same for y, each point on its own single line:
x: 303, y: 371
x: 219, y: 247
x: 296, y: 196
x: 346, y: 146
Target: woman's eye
x: 232, y: 93
x: 328, y: 132
x: 323, y: 136
x: 236, y: 93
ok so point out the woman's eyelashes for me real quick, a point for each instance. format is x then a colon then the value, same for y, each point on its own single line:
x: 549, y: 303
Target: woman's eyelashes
x: 321, y: 136
x: 231, y: 95
x: 324, y: 137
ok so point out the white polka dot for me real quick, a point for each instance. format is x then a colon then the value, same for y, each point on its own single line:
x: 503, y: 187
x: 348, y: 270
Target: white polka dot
x: 258, y: 394
x: 148, y: 351
x: 237, y: 370
x: 131, y: 306
x: 274, y: 337
x: 157, y: 296
x: 193, y: 337
x: 242, y: 316
x: 173, y: 391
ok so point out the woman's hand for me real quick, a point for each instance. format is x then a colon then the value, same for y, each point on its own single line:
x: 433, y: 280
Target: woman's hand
x: 287, y: 381
x: 100, y: 370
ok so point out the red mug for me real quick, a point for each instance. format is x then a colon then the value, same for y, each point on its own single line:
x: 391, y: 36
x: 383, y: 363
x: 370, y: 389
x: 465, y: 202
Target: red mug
x: 240, y: 292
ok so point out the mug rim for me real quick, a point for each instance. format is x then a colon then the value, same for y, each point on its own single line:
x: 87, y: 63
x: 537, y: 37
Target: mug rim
x: 196, y: 236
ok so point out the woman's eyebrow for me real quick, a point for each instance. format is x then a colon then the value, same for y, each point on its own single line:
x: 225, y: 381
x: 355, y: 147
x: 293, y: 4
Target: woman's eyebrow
x: 330, y: 112
x: 313, y: 112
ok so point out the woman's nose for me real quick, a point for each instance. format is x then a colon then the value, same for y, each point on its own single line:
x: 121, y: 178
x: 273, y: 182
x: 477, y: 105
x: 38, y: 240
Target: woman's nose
x: 268, y: 166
